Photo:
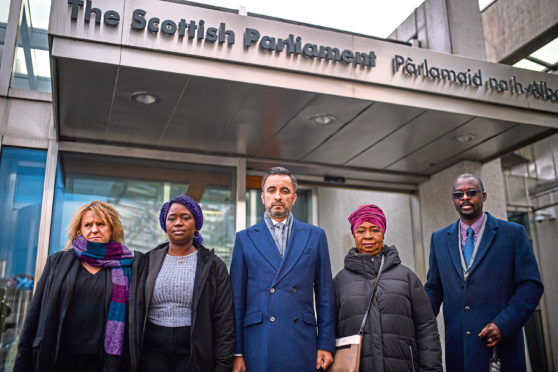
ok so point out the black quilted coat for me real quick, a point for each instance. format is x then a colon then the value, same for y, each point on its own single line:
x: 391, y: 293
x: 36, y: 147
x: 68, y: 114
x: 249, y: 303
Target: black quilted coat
x: 401, y: 332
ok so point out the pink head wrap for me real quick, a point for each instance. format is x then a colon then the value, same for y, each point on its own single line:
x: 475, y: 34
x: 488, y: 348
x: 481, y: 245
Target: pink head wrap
x: 368, y: 213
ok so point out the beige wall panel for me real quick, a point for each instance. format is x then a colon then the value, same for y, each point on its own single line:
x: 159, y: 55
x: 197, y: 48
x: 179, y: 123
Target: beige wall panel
x: 28, y: 119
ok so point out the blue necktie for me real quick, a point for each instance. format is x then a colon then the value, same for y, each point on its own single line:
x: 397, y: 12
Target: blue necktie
x: 469, y: 246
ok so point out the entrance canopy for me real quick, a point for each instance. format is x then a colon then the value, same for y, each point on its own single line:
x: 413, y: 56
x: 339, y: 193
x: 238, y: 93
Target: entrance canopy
x: 337, y: 107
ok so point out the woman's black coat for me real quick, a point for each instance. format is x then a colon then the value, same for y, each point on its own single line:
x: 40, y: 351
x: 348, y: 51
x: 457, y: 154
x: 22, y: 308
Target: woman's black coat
x: 39, y: 342
x: 401, y: 332
x: 212, y: 332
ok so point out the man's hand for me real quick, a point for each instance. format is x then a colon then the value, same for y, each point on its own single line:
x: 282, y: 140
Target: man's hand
x: 324, y: 359
x: 491, y: 334
x: 239, y: 365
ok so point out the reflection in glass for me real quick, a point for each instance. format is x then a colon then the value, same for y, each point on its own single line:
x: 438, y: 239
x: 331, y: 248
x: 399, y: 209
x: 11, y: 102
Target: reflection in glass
x: 137, y: 190
x: 31, y: 68
x: 22, y: 173
x: 4, y: 13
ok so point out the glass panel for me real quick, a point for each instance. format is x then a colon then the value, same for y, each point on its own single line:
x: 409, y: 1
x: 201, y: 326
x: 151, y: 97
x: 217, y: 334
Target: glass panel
x: 137, y: 190
x: 517, y: 193
x: 22, y: 173
x: 4, y: 13
x: 528, y: 65
x: 31, y: 63
x: 534, y: 334
x: 302, y: 209
x: 548, y: 53
x: 544, y: 160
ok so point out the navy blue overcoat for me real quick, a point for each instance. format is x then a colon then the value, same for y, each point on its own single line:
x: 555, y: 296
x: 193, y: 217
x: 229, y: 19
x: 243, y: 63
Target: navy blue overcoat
x: 277, y: 329
x: 503, y: 287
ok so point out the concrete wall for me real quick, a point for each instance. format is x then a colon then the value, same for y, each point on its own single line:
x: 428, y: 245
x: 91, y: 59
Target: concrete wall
x: 26, y: 122
x: 515, y: 28
x: 335, y: 205
x: 449, y: 26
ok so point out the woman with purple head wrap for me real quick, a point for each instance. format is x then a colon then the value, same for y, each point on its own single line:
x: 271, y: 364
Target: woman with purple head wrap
x: 400, y: 332
x: 188, y: 324
x: 189, y: 204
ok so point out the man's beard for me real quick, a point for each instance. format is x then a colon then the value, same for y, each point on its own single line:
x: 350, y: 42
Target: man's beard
x: 278, y: 214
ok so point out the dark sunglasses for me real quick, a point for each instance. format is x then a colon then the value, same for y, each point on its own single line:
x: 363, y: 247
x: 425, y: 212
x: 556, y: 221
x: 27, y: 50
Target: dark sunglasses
x: 458, y: 195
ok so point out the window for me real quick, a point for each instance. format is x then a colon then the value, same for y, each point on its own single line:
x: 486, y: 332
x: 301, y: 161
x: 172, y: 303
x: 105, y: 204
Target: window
x: 32, y: 62
x: 22, y: 173
x: 544, y: 59
x: 4, y: 13
x: 137, y: 189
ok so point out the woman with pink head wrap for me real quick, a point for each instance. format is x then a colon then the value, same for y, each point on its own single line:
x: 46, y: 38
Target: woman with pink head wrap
x: 400, y: 332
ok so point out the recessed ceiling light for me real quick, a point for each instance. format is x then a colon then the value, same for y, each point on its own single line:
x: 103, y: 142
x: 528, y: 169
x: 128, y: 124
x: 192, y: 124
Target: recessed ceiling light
x: 323, y: 119
x: 144, y: 98
x: 462, y: 138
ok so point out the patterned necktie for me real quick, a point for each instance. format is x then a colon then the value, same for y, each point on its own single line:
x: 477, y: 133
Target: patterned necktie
x: 279, y: 230
x: 469, y: 246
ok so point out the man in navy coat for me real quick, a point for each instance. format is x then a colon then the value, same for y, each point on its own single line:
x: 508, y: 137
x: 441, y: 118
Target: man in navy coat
x: 484, y: 272
x: 279, y: 268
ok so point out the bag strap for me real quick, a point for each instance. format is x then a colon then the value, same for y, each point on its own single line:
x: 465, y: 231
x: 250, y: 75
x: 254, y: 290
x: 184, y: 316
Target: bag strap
x: 361, y: 331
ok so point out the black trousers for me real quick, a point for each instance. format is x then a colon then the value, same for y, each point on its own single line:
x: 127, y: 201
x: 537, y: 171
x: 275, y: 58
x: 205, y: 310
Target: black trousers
x: 165, y: 349
x: 79, y: 362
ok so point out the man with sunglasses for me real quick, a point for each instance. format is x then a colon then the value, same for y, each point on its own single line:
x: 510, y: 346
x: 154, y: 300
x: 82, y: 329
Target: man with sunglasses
x: 484, y: 272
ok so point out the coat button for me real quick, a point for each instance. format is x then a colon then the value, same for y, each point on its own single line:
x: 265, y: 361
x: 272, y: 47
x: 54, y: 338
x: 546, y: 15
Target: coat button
x: 272, y: 319
x: 295, y: 319
x: 467, y: 309
x: 272, y: 290
x: 468, y: 334
x: 293, y: 289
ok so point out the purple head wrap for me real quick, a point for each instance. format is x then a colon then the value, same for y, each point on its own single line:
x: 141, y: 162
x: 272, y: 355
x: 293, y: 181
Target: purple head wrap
x: 368, y: 213
x: 192, y: 206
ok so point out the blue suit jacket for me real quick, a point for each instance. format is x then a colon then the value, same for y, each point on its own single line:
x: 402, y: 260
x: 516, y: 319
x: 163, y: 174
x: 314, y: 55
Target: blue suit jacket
x: 276, y: 329
x: 504, y: 287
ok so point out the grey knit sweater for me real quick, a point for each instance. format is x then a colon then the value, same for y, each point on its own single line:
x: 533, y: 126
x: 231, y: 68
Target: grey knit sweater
x: 171, y: 304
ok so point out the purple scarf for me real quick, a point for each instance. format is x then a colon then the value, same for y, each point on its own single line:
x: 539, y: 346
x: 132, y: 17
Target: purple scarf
x: 117, y: 257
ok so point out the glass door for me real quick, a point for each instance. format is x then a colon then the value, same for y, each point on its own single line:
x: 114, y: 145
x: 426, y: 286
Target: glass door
x: 137, y: 188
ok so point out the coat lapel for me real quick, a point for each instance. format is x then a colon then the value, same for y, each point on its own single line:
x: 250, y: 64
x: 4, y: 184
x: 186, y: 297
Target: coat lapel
x: 261, y: 239
x: 453, y: 247
x: 486, y: 240
x: 297, y: 242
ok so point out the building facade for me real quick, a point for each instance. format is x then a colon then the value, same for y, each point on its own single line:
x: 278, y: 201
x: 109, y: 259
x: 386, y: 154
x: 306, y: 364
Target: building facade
x: 143, y: 100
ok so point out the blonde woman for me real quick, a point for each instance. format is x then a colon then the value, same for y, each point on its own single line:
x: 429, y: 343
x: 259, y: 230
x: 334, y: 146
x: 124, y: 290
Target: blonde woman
x: 76, y: 320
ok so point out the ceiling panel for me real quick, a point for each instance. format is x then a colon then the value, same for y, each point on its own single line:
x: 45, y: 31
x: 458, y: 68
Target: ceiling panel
x: 385, y: 144
x: 84, y: 96
x: 416, y: 134
x: 368, y: 128
x: 137, y: 122
x: 262, y: 114
x: 451, y: 144
x: 497, y: 145
x: 300, y: 136
x: 205, y: 109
